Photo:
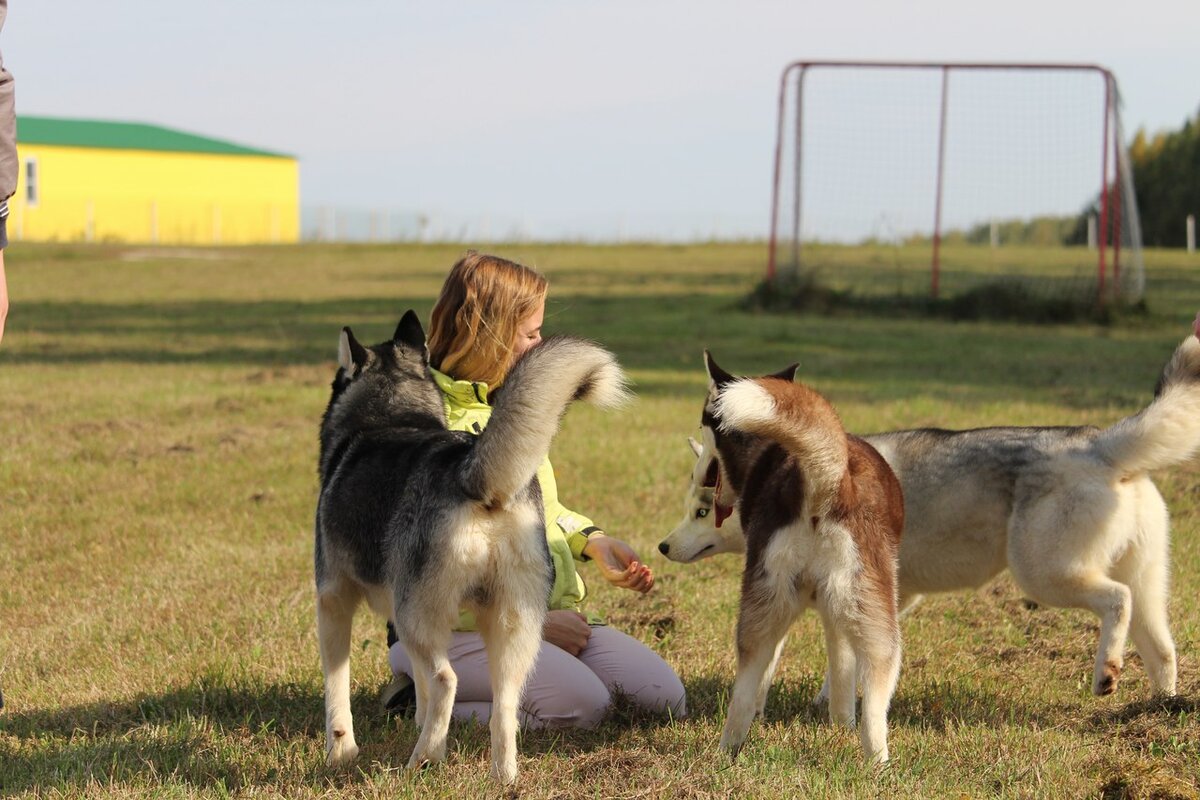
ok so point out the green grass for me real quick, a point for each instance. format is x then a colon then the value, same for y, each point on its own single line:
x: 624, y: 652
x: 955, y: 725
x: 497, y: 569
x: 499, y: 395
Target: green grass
x: 158, y: 415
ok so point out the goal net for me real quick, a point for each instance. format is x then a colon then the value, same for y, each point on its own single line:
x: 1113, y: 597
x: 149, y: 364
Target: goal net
x: 941, y: 179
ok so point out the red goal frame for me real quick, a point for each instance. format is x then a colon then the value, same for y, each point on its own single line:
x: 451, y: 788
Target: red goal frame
x: 1113, y: 171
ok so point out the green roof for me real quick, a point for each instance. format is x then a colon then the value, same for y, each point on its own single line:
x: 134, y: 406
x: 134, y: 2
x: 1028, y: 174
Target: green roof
x: 124, y: 136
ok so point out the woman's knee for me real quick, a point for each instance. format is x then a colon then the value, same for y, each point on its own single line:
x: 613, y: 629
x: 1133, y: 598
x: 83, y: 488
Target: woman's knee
x: 626, y: 665
x: 576, y: 700
x: 661, y: 691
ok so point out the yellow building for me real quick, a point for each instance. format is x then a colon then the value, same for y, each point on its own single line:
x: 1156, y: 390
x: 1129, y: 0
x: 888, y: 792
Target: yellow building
x: 86, y: 180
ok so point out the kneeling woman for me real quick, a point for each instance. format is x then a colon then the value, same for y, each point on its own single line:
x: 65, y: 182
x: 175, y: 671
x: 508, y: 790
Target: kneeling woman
x: 490, y: 312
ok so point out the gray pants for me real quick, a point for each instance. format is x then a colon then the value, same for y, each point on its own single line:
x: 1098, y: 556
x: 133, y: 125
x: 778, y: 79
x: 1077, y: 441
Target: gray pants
x: 564, y: 690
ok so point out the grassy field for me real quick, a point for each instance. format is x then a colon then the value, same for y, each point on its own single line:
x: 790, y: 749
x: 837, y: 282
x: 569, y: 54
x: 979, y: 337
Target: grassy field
x: 158, y: 418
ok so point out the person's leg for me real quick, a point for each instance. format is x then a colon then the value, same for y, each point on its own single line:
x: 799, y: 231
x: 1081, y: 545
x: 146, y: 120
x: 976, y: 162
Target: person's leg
x: 3, y: 294
x: 626, y: 665
x: 560, y: 692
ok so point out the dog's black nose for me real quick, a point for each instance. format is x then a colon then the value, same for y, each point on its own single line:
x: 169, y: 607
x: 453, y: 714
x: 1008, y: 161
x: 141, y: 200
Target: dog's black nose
x: 663, y: 547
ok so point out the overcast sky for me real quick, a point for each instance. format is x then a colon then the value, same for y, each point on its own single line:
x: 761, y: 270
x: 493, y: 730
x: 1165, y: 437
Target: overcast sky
x: 563, y: 116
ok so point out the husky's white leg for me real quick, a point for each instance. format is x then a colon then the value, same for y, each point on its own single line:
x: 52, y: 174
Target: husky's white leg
x: 427, y: 651
x: 880, y: 662
x: 1152, y: 637
x: 822, y: 696
x: 907, y: 603
x: 1055, y: 558
x: 1111, y: 602
x: 768, y: 676
x: 760, y: 633
x: 1104, y: 597
x: 842, y: 674
x: 512, y: 637
x: 1145, y: 572
x: 335, y: 610
x: 421, y: 690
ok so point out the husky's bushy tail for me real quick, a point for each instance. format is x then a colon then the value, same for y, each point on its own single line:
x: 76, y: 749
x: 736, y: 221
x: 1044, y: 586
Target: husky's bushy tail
x: 1167, y: 431
x: 534, y: 398
x: 798, y: 419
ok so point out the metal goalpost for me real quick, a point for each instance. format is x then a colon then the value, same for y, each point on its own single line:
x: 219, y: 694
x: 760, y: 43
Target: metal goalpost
x: 919, y: 153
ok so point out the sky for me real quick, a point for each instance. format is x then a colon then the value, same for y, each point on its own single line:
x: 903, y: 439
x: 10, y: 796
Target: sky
x: 604, y: 120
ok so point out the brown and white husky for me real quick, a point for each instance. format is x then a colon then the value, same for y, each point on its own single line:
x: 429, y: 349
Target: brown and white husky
x: 822, y: 514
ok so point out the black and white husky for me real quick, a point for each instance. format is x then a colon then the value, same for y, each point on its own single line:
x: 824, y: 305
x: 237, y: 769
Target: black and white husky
x: 822, y: 515
x: 421, y: 521
x: 1070, y: 511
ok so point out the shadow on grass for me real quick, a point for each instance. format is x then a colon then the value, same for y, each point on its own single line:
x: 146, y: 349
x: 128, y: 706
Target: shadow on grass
x: 927, y: 708
x: 213, y: 736
x: 1028, y: 299
x: 663, y: 333
x: 149, y: 737
x: 1154, y: 708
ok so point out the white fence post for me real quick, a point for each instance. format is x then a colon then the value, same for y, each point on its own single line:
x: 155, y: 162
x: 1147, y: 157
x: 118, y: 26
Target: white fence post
x: 1091, y: 232
x: 1191, y: 233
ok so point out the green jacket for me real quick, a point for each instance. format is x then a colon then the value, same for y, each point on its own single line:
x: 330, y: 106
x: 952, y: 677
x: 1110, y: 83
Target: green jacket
x: 567, y: 532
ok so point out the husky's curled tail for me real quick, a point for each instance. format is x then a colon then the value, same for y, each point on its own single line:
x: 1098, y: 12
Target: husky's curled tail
x: 800, y: 420
x: 525, y: 419
x: 1166, y: 432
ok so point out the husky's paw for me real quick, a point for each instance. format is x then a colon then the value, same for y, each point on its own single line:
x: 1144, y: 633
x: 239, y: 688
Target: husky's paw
x: 760, y: 705
x: 505, y: 773
x: 731, y: 747
x: 420, y: 758
x: 340, y: 748
x: 1106, y: 679
x: 846, y: 718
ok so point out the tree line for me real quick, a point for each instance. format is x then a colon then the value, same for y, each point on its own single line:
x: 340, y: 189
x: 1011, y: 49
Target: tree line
x: 1166, y: 179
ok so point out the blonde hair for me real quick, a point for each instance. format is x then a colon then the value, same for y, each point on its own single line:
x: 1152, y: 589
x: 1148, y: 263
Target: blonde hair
x: 473, y: 327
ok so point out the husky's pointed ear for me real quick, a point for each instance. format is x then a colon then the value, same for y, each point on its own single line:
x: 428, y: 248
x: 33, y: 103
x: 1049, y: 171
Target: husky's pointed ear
x: 787, y: 373
x: 409, y: 331
x: 697, y: 448
x: 715, y: 374
x: 351, y: 354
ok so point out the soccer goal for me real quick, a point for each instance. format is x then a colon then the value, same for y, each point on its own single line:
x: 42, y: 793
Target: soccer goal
x: 938, y: 179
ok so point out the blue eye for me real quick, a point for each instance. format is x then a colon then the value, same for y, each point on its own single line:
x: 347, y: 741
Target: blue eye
x: 701, y: 513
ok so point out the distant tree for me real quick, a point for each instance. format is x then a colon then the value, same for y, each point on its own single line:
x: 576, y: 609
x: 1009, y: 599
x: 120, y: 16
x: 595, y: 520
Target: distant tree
x: 1166, y: 176
x: 1042, y: 231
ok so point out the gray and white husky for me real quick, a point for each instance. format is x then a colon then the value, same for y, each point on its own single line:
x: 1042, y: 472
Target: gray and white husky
x: 1071, y: 512
x: 421, y: 521
x: 822, y: 514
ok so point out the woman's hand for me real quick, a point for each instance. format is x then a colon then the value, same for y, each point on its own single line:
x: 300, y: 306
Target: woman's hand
x: 618, y: 563
x: 568, y: 630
